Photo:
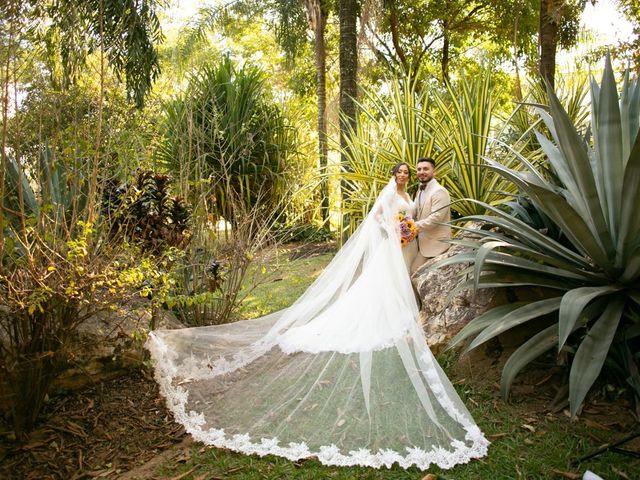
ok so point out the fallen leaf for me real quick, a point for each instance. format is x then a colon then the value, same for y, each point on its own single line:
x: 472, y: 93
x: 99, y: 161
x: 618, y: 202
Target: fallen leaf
x: 569, y: 475
x: 340, y: 422
x: 33, y: 445
x: 528, y: 441
x: 594, y: 424
x: 529, y: 427
x: 430, y: 476
x: 184, y: 457
x: 102, y: 473
x: 544, y: 380
x: 233, y: 470
x: 496, y: 436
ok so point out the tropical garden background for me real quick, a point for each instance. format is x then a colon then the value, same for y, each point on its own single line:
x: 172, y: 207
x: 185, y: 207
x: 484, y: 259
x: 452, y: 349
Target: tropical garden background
x: 201, y: 162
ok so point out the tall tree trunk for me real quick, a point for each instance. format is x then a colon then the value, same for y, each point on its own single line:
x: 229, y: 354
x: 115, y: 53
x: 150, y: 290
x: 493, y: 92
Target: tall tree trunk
x: 348, y: 13
x: 348, y: 66
x: 317, y: 14
x: 518, y: 85
x: 548, y: 39
x: 445, y: 56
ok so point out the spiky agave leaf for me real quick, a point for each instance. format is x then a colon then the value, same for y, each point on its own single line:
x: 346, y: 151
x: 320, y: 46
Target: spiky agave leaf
x: 592, y: 197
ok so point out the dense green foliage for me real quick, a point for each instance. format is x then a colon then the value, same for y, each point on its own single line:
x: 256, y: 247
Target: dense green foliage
x: 223, y: 130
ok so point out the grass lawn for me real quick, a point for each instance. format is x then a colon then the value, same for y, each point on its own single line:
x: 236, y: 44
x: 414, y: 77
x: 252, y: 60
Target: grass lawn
x: 276, y: 282
x: 528, y: 442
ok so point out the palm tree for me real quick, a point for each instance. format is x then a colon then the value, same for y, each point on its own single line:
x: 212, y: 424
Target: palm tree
x: 548, y: 38
x: 317, y: 13
x: 348, y: 13
x: 348, y: 66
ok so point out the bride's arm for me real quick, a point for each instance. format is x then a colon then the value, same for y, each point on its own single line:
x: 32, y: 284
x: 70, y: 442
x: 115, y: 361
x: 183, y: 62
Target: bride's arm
x: 383, y: 214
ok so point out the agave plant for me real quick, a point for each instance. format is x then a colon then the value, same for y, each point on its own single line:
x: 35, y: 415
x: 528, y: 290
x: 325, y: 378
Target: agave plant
x: 592, y: 197
x: 52, y: 186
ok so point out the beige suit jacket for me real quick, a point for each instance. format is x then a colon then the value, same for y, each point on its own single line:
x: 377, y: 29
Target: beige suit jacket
x: 432, y: 208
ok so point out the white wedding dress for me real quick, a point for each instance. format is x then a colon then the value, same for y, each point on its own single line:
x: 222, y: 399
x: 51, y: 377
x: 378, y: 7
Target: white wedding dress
x: 344, y: 374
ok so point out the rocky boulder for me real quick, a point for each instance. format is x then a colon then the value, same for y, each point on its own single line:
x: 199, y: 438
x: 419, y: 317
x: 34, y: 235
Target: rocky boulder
x: 109, y: 344
x: 443, y: 315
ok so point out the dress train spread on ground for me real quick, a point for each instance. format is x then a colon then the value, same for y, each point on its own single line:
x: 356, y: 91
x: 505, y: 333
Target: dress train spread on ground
x: 344, y: 374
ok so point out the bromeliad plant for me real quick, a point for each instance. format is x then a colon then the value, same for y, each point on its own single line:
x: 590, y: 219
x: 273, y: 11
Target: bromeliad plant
x: 592, y: 195
x: 145, y: 213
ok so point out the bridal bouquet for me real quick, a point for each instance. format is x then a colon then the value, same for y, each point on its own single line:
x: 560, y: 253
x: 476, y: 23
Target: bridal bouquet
x: 408, y: 230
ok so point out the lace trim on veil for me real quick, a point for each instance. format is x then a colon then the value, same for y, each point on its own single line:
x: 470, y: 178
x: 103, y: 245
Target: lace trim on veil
x: 177, y: 398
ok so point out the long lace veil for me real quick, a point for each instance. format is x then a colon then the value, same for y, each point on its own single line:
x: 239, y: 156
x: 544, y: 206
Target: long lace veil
x: 343, y: 374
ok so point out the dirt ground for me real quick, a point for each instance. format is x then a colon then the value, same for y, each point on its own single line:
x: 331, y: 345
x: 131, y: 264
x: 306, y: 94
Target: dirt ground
x: 121, y: 428
x: 100, y: 432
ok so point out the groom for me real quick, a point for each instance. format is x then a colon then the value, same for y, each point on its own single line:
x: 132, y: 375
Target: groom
x: 432, y: 208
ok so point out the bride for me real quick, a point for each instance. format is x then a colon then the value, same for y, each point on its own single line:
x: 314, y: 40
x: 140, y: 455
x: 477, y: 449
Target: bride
x: 344, y: 374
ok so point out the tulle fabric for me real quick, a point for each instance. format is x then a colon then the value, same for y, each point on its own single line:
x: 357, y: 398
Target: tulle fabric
x: 344, y: 374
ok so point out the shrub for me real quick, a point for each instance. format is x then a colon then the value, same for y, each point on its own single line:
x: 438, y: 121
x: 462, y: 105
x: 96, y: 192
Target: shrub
x: 225, y: 131
x: 144, y: 212
x: 48, y: 287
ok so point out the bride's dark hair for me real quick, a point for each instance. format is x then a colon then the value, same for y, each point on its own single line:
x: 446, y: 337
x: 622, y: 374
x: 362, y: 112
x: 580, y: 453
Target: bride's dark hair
x: 395, y: 169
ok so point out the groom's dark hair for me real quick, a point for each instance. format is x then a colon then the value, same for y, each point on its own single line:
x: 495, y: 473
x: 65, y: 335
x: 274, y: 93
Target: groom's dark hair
x: 427, y: 159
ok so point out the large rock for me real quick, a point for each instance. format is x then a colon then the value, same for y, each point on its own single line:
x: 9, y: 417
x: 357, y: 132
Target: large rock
x: 109, y: 344
x: 443, y: 315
